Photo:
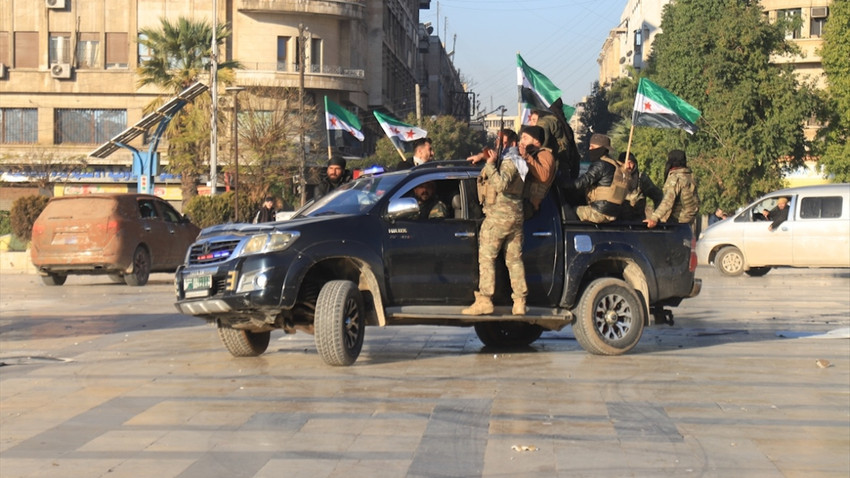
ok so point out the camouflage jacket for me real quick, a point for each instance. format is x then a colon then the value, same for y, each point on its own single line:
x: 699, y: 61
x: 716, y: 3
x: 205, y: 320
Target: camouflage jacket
x: 507, y: 185
x: 681, y: 200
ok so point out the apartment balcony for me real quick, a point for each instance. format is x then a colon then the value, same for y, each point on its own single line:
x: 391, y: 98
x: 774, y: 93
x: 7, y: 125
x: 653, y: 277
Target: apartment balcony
x: 353, y: 9
x: 325, y: 77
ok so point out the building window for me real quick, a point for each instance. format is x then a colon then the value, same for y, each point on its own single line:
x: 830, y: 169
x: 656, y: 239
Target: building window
x: 117, y: 51
x: 18, y: 125
x: 26, y: 49
x: 88, y: 51
x: 793, y: 17
x: 145, y: 53
x: 282, y: 46
x: 816, y: 27
x: 88, y: 126
x: 316, y: 54
x: 60, y: 48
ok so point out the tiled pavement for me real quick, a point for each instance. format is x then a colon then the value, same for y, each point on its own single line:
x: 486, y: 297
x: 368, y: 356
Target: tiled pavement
x: 130, y: 389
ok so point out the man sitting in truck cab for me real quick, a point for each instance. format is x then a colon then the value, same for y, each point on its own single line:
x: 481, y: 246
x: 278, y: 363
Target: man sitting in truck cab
x: 605, y: 183
x: 430, y: 207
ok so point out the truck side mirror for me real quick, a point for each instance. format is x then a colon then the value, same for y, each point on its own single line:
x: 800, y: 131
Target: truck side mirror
x: 402, y: 208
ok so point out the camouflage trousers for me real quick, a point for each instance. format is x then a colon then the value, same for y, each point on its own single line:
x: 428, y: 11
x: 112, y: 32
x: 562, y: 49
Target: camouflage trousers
x: 588, y: 214
x: 496, y: 233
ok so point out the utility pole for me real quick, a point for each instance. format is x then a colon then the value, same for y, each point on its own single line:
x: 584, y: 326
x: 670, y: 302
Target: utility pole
x: 235, y: 90
x: 302, y: 55
x: 214, y: 92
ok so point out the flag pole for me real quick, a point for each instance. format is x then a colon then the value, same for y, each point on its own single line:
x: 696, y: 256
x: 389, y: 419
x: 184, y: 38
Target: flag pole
x: 400, y: 153
x: 328, y: 130
x: 629, y: 146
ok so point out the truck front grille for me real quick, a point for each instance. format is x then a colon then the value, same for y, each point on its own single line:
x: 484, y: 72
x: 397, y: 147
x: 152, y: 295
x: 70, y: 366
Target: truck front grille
x: 211, y: 252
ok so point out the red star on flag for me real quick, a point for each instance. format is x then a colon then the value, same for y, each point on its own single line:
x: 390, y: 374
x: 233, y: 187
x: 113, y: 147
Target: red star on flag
x: 395, y: 130
x: 410, y: 133
x: 333, y: 121
x: 647, y: 106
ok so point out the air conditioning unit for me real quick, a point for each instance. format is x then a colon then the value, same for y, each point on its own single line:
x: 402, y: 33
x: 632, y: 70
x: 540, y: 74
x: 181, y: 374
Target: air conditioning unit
x: 57, y: 4
x: 61, y: 70
x: 2, y: 71
x: 820, y: 12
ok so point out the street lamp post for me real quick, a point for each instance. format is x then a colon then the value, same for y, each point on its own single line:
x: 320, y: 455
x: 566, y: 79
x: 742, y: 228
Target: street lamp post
x: 235, y: 90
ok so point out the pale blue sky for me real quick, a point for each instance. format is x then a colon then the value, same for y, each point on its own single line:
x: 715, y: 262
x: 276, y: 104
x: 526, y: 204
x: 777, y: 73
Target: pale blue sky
x: 560, y: 38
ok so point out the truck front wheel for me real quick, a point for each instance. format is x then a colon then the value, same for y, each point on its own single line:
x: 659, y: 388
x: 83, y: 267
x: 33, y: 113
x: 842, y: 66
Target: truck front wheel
x: 242, y: 343
x: 609, y: 318
x: 339, y: 322
x: 507, y: 334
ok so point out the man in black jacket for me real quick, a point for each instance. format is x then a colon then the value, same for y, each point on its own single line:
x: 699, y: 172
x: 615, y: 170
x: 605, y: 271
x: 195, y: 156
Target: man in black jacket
x: 605, y: 183
x: 335, y: 176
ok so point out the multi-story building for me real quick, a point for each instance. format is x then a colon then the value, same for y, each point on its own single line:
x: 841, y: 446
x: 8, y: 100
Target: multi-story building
x: 630, y: 43
x: 68, y: 79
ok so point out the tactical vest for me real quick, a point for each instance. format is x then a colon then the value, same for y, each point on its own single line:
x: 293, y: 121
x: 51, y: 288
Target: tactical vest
x: 616, y: 191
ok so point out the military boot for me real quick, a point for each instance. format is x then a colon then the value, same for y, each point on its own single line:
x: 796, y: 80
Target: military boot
x: 482, y: 306
x: 519, y: 307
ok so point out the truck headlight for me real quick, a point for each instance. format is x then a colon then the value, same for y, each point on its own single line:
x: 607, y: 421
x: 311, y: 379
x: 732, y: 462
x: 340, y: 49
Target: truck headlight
x: 269, y: 242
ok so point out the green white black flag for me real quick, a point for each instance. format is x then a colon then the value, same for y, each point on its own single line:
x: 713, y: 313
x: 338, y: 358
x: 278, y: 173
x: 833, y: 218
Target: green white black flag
x: 658, y: 108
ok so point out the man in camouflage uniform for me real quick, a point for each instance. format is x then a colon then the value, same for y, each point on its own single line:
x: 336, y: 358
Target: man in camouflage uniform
x: 502, y: 228
x: 640, y: 187
x: 681, y: 200
x: 560, y: 139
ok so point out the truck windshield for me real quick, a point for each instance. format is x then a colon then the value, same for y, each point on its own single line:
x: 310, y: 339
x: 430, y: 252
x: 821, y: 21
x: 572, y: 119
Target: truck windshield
x: 355, y: 197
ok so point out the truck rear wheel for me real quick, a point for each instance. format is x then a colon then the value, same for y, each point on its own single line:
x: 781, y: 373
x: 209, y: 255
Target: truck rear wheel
x: 730, y: 261
x: 609, y: 319
x: 507, y: 334
x: 339, y: 322
x: 242, y: 343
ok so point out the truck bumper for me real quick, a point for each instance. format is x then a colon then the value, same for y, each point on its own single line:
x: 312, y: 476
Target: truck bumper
x: 696, y: 288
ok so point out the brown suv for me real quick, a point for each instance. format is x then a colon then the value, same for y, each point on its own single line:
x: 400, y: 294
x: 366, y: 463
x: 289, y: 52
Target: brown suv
x: 126, y: 236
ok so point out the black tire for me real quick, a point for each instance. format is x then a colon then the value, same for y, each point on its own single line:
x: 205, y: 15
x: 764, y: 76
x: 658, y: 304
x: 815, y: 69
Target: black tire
x: 506, y: 334
x: 757, y: 271
x: 141, y: 268
x: 117, y: 278
x: 609, y: 318
x: 242, y: 343
x: 54, y: 279
x: 339, y: 323
x: 730, y: 261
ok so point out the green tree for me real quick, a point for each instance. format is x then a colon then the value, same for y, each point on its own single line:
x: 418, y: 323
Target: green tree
x: 834, y: 148
x: 716, y: 54
x: 179, y: 55
x: 595, y: 116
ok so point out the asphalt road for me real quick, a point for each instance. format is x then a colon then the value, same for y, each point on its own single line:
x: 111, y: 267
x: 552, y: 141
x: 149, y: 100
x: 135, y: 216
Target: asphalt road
x: 106, y: 380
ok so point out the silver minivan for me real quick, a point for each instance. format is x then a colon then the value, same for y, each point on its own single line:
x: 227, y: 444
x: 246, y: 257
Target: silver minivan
x: 815, y: 234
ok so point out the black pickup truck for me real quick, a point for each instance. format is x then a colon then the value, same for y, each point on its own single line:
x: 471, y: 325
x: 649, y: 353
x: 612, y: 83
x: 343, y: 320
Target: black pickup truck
x: 362, y: 256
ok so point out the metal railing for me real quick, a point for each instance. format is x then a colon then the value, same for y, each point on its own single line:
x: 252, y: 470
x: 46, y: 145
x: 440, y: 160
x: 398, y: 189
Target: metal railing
x: 284, y: 67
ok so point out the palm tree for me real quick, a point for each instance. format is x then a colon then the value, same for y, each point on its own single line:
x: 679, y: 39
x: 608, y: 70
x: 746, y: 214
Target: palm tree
x: 179, y: 56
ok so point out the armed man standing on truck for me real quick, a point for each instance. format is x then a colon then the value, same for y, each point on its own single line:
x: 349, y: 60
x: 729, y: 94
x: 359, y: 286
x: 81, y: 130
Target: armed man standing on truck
x: 681, y: 200
x: 605, y: 183
x: 541, y: 165
x: 500, y: 187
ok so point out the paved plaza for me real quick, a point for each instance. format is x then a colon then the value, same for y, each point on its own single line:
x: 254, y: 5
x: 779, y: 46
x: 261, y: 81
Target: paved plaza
x: 106, y: 380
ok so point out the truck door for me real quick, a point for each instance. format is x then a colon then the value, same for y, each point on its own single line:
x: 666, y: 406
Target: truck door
x: 433, y: 260
x: 542, y: 254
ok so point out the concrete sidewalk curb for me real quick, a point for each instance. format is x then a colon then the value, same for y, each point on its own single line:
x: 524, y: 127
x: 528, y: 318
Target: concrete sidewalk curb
x: 16, y: 263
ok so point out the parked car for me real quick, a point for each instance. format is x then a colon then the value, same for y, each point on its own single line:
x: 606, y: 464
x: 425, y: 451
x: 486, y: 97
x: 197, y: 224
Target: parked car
x: 815, y: 234
x: 126, y: 236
